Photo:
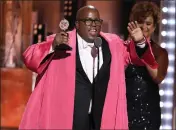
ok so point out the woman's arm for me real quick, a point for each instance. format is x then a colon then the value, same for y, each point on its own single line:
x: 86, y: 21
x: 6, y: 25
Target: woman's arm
x: 159, y: 73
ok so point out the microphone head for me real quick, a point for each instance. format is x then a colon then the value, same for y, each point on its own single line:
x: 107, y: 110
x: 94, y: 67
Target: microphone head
x: 97, y: 42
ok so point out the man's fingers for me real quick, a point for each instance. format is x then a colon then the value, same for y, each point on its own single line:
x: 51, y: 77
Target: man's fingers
x: 64, y: 34
x: 61, y: 38
x: 65, y: 40
x: 64, y: 37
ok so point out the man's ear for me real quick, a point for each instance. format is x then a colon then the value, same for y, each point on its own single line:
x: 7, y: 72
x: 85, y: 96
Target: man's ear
x: 76, y: 24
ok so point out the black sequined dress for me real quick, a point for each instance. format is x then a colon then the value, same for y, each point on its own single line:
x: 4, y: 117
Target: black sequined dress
x: 143, y: 99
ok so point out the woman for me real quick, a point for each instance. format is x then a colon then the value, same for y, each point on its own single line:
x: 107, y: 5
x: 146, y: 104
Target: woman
x: 143, y: 99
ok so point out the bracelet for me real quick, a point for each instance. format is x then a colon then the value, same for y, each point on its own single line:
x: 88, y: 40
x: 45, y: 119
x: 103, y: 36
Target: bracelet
x: 144, y: 40
x: 141, y: 44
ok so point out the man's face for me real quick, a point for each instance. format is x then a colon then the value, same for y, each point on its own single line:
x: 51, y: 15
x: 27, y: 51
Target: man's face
x: 88, y: 25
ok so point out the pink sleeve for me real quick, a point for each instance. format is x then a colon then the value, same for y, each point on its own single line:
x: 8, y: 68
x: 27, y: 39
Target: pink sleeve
x: 126, y: 55
x: 35, y: 54
x: 125, y: 51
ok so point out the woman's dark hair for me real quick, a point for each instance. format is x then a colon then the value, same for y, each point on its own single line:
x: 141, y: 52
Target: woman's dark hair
x: 141, y: 10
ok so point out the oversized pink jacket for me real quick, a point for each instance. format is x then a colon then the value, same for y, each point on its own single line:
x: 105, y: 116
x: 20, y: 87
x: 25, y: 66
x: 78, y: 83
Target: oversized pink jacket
x: 51, y: 104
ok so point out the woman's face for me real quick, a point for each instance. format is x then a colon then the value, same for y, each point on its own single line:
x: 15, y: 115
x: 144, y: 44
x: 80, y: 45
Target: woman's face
x: 147, y: 26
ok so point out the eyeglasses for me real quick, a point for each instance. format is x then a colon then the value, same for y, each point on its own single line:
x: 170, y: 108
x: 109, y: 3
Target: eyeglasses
x: 89, y: 22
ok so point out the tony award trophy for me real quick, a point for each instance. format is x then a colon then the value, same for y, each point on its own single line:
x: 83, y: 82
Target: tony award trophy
x: 64, y: 24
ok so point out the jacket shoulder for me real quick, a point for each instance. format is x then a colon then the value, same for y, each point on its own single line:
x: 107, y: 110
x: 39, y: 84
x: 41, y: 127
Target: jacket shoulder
x: 111, y: 37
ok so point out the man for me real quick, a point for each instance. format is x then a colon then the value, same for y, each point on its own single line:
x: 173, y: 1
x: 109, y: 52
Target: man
x: 67, y: 96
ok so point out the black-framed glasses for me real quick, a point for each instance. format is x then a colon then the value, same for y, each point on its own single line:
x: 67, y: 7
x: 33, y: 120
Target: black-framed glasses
x: 89, y: 22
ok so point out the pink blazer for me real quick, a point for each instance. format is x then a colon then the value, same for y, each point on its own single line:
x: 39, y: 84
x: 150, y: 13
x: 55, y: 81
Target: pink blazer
x: 51, y: 104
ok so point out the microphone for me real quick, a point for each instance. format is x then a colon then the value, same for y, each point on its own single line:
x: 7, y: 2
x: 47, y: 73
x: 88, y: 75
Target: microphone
x: 97, y: 42
x: 95, y: 52
x: 95, y: 49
